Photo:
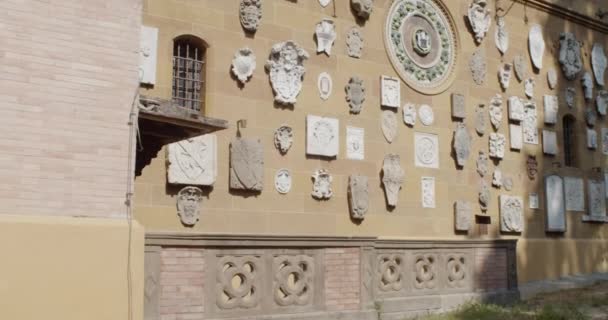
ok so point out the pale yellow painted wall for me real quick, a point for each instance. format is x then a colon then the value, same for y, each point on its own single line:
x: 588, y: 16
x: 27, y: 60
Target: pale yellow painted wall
x: 69, y: 268
x: 224, y: 211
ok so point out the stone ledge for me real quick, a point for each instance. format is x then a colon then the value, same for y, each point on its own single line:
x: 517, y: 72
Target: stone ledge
x: 596, y: 219
x: 532, y: 289
x: 343, y: 315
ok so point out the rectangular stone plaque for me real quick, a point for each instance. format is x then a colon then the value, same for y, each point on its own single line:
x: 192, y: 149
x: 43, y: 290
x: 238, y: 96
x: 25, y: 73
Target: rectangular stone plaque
x: 591, y: 139
x: 428, y: 192
x: 575, y: 193
x: 605, y: 141
x: 193, y: 161
x: 459, y: 110
x: 555, y: 204
x: 355, y: 143
x: 597, y: 198
x: 247, y: 164
x: 533, y: 202
x: 515, y: 136
x: 426, y: 150
x: 529, y: 123
x: 322, y: 136
x: 516, y: 109
x: 463, y: 214
x: 549, y: 142
x: 551, y: 109
x: 390, y: 91
x: 148, y: 43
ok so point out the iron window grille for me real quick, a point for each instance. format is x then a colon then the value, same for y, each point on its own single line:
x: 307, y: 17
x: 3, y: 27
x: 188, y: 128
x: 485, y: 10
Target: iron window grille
x: 188, y: 72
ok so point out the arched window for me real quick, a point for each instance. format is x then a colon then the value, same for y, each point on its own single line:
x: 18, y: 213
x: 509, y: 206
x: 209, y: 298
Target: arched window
x: 569, y: 141
x: 189, y: 72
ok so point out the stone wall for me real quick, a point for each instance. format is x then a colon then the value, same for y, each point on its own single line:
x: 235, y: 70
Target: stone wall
x: 228, y: 211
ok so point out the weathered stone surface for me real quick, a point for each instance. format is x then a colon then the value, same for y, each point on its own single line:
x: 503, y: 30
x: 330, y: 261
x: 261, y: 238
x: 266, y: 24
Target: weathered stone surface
x: 389, y: 125
x: 243, y: 64
x: 247, y: 164
x: 598, y: 63
x: 484, y: 195
x: 188, y: 205
x: 574, y: 191
x: 325, y: 85
x: 358, y: 196
x: 549, y: 142
x: 427, y: 185
x: 286, y: 71
x: 497, y: 178
x: 322, y: 136
x: 426, y: 148
x: 497, y: 145
x: 392, y: 178
x: 590, y: 117
x: 555, y: 203
x: 551, y: 109
x: 462, y: 144
x: 532, y: 167
x: 426, y: 115
x: 283, y: 138
x: 552, y: 78
x: 529, y: 87
x: 570, y: 55
x: 482, y: 163
x: 282, y: 181
x: 516, y: 136
x: 250, y: 13
x: 605, y: 141
x: 325, y: 32
x: 591, y: 139
x: 529, y: 123
x: 321, y: 187
x: 459, y: 109
x: 324, y: 3
x: 601, y: 102
x: 355, y: 143
x: 536, y: 44
x: 521, y: 67
x: 533, y: 201
x: 355, y: 94
x: 390, y: 91
x: 511, y: 214
x: 587, y: 83
x: 480, y: 120
x: 495, y: 111
x: 516, y: 108
x: 193, y: 161
x: 504, y: 75
x: 354, y: 42
x: 409, y: 114
x: 362, y: 8
x: 501, y: 37
x: 507, y: 183
x: 478, y: 66
x: 463, y: 214
x: 148, y: 54
x: 570, y: 95
x: 597, y: 197
x: 479, y: 19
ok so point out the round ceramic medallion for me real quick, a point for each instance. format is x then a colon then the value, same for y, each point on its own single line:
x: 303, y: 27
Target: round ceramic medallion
x: 422, y: 44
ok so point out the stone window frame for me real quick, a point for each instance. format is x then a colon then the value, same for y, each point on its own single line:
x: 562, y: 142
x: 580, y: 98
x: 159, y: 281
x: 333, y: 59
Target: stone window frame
x: 188, y: 76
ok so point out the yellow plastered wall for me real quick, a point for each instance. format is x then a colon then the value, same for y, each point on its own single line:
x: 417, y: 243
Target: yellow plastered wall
x: 70, y: 268
x: 226, y: 211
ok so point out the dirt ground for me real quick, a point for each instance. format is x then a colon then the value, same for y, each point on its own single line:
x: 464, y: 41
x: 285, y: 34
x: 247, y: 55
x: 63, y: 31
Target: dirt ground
x: 593, y: 301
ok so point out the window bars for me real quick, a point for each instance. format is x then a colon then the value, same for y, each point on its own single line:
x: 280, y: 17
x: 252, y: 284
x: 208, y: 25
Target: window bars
x: 188, y: 73
x: 569, y: 142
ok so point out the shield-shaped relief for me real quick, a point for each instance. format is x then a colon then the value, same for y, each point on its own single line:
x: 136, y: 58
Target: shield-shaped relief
x: 285, y: 65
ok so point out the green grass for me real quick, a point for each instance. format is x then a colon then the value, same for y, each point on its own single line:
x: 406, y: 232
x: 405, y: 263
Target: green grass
x: 476, y: 311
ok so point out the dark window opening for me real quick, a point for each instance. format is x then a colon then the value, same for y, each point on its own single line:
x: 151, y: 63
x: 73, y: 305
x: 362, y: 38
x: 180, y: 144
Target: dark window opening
x: 189, y: 72
x: 569, y: 141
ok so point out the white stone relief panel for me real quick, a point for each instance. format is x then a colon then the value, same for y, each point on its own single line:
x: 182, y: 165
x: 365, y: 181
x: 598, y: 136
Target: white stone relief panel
x: 389, y: 125
x: 324, y: 3
x: 354, y: 42
x: 552, y: 78
x: 533, y: 202
x: 459, y: 110
x: 529, y: 87
x: 516, y: 108
x: 504, y: 75
x: 536, y: 43
x: 554, y: 195
x: 322, y: 136
x: 549, y: 142
x: 247, y: 164
x: 463, y: 213
x: 286, y: 70
x: 426, y: 148
x: 283, y: 138
x: 597, y: 198
x: 570, y: 95
x: 516, y: 136
x: 390, y: 91
x: 605, y: 141
x: 521, y: 67
x: 193, y: 161
x: 495, y: 111
x: 148, y: 45
x: 428, y: 192
x: 321, y: 188
x: 529, y: 123
x: 409, y: 114
x: 601, y: 102
x: 425, y: 113
x: 479, y: 16
x: 325, y: 33
x: 355, y: 143
x: 570, y: 55
x: 324, y: 85
x: 587, y: 84
x: 282, y: 181
x: 551, y: 109
x: 501, y: 36
x: 250, y: 14
x: 392, y: 178
x: 188, y: 205
x: 598, y: 63
x: 355, y: 94
x: 511, y: 214
x: 574, y: 194
x: 243, y: 64
x: 591, y: 139
x: 497, y: 145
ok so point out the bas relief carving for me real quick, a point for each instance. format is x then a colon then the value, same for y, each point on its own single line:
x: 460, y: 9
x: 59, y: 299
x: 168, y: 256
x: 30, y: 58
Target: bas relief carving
x: 358, y: 196
x: 536, y: 44
x: 325, y: 32
x: 426, y: 115
x: 516, y: 109
x: 355, y: 94
x: 591, y: 139
x: 551, y: 109
x: 188, y: 205
x: 484, y: 195
x: 322, y: 136
x: 463, y: 213
x: 193, y: 161
x: 248, y: 294
x: 250, y: 13
x: 598, y: 63
x: 425, y: 272
x: 556, y: 210
x: 426, y: 149
x: 478, y: 67
x: 283, y: 138
x: 596, y: 197
x: 243, y: 64
x: 497, y: 145
x: 504, y: 75
x: 389, y: 125
x: 282, y: 181
x: 355, y: 143
x: 392, y: 178
x: 480, y: 120
x: 390, y: 273
x: 390, y: 91
x: 495, y: 111
x: 482, y: 164
x: 354, y: 42
x: 462, y: 144
x: 409, y: 114
x: 362, y: 8
x: 605, y: 141
x: 529, y: 87
x: 321, y: 188
x: 428, y: 192
x: 479, y: 19
x: 601, y: 102
x: 507, y: 183
x: 286, y: 70
x: 293, y: 280
x: 497, y: 178
x: 532, y: 167
x: 247, y: 164
x: 501, y: 37
x: 574, y: 191
x: 552, y: 78
x: 570, y: 95
x: 590, y: 117
x: 529, y: 124
x: 457, y: 271
x: 570, y: 55
x: 324, y: 85
x: 521, y: 67
x: 587, y: 83
x: 549, y: 142
x: 459, y: 110
x: 511, y: 214
x: 516, y: 136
